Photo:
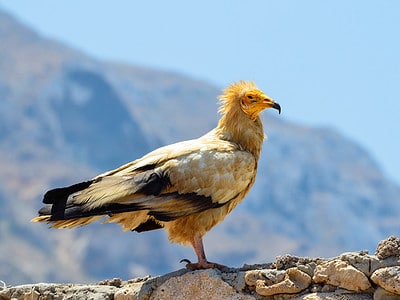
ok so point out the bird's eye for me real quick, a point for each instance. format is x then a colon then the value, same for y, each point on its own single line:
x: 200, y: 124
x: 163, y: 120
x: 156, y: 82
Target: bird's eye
x: 251, y: 99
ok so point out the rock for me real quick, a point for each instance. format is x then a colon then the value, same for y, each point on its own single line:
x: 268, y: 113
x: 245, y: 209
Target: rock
x: 346, y: 277
x: 362, y: 261
x: 269, y: 276
x: 388, y: 247
x: 334, y: 296
x: 294, y: 282
x: 308, y: 268
x: 31, y: 295
x: 381, y: 294
x: 235, y: 279
x: 287, y: 261
x: 132, y: 291
x: 197, y: 285
x: 58, y: 291
x: 388, y: 278
x: 117, y: 282
x: 341, y: 274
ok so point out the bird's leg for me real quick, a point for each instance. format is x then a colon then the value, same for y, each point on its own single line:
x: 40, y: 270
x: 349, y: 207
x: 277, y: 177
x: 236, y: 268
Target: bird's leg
x: 197, y: 244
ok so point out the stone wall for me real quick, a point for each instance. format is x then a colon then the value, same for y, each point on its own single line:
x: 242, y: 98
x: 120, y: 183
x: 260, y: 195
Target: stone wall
x: 350, y: 276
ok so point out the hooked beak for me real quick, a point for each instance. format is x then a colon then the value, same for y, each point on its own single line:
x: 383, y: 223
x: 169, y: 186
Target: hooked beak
x: 269, y: 103
x: 277, y: 106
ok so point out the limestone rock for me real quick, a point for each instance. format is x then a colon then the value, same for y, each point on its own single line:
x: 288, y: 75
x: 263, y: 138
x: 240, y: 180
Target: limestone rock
x: 31, y: 295
x: 294, y: 281
x: 335, y: 296
x: 388, y: 247
x: 235, y: 279
x: 381, y: 294
x: 388, y: 278
x: 287, y: 261
x: 360, y: 260
x: 346, y: 277
x: 130, y: 292
x: 197, y: 285
x: 341, y: 274
x: 58, y: 291
x: 269, y: 276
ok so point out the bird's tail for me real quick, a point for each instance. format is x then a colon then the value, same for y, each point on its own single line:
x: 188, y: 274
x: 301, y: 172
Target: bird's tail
x: 89, y: 201
x: 60, y: 212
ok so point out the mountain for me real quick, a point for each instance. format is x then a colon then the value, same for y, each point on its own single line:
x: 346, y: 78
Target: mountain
x: 65, y: 117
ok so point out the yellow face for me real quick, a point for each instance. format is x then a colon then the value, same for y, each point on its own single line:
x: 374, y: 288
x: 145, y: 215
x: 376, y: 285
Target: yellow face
x: 255, y: 101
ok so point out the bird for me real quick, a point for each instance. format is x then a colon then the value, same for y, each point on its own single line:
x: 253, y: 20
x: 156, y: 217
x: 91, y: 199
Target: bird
x: 185, y: 188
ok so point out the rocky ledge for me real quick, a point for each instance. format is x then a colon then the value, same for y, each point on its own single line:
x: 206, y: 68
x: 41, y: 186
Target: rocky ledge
x: 352, y: 275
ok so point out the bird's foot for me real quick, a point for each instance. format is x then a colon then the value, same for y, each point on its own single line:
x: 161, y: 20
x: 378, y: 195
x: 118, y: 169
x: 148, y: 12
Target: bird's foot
x: 202, y: 265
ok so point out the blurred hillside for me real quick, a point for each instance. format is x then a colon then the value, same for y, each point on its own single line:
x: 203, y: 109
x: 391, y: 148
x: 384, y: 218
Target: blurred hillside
x: 65, y: 117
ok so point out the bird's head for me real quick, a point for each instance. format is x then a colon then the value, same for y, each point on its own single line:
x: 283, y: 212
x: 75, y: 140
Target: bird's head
x: 251, y: 100
x: 255, y: 101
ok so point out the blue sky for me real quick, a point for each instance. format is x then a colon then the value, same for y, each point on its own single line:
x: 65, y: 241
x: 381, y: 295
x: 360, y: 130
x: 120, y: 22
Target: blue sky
x: 329, y: 63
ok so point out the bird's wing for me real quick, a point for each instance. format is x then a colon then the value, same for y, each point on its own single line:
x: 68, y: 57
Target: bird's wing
x: 173, y: 181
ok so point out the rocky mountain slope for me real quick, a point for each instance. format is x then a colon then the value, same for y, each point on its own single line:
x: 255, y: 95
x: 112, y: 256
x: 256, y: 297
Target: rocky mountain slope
x: 65, y: 117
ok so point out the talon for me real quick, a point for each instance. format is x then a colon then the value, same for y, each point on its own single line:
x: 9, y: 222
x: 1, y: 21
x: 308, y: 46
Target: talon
x: 185, y: 260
